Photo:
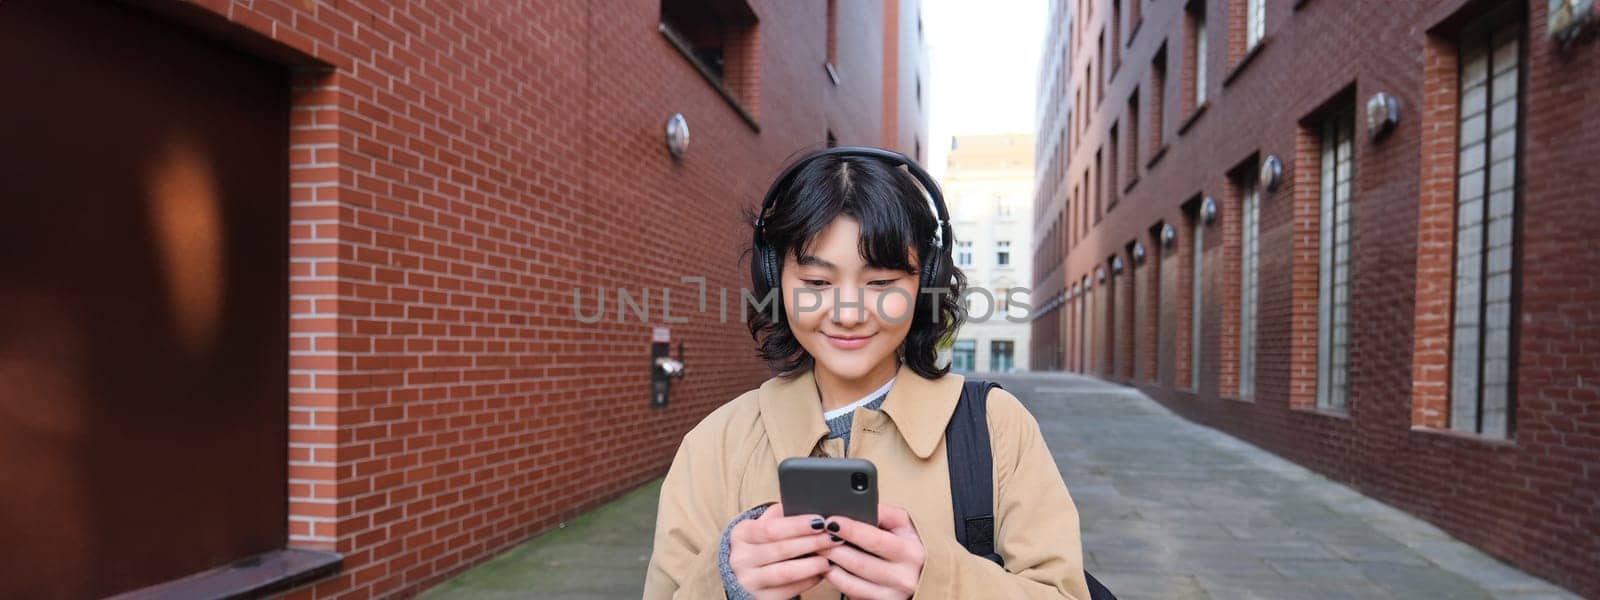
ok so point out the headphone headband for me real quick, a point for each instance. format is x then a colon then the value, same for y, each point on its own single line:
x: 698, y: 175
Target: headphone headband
x: 765, y: 264
x: 929, y: 187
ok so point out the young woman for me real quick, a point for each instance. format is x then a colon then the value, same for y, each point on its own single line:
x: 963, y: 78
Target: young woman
x: 844, y: 236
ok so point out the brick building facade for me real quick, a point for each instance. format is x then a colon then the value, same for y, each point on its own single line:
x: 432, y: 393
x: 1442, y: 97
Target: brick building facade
x: 1230, y: 221
x: 417, y: 195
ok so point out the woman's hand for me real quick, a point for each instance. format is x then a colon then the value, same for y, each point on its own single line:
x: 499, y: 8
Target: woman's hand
x: 888, y: 563
x: 774, y: 556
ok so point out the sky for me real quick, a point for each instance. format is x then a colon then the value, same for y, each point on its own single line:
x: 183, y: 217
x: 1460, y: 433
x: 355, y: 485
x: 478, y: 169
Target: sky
x: 983, y: 60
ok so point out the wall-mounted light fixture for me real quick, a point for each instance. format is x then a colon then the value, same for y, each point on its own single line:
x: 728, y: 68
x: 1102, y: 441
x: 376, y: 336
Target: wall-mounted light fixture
x: 1271, y: 174
x: 1100, y: 274
x: 1383, y: 113
x: 1116, y: 265
x: 677, y: 135
x: 1567, y: 19
x: 1169, y: 235
x: 1208, y: 210
x: 1138, y: 253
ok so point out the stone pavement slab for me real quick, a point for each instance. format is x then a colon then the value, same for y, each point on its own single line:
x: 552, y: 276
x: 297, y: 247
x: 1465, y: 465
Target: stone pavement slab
x: 601, y: 554
x: 1168, y: 506
x: 1170, y: 509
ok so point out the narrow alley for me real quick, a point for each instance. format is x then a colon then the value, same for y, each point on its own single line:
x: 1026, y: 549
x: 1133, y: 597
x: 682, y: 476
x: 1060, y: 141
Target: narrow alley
x: 1170, y: 509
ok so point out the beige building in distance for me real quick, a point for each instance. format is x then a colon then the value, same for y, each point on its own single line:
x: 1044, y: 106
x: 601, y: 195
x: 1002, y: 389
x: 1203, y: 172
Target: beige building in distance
x: 988, y: 183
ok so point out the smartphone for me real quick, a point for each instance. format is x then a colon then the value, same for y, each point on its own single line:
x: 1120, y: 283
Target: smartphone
x: 829, y: 486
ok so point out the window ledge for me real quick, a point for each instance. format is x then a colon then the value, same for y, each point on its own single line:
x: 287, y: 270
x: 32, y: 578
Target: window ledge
x: 833, y: 73
x: 711, y: 78
x: 1156, y: 156
x: 1194, y: 116
x: 1245, y: 60
x: 254, y: 577
x: 1129, y: 188
x: 1240, y: 399
x: 1343, y: 415
x: 1476, y: 438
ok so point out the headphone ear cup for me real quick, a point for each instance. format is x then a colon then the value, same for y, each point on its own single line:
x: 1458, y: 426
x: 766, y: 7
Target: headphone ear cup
x: 760, y: 264
x: 933, y: 270
x: 771, y: 271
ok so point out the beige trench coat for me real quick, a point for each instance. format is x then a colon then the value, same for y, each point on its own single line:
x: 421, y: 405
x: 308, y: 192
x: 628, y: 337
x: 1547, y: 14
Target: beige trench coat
x: 729, y: 463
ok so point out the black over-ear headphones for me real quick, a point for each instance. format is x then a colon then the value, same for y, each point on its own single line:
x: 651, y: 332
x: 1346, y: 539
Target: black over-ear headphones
x: 766, y: 265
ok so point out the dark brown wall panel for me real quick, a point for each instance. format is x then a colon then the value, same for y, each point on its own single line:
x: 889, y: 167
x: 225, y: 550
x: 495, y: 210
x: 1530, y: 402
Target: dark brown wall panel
x: 143, y: 270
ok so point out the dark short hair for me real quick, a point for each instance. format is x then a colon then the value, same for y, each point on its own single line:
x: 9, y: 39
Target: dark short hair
x: 894, y: 214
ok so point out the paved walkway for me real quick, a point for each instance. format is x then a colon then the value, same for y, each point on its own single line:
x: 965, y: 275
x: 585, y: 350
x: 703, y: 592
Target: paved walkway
x: 1170, y: 510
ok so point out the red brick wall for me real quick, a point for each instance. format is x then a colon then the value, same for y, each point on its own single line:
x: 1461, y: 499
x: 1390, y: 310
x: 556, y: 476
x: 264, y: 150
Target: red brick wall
x: 457, y: 172
x: 1533, y: 500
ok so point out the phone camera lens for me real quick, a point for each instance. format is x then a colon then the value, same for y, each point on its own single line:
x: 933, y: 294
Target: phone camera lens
x: 858, y: 481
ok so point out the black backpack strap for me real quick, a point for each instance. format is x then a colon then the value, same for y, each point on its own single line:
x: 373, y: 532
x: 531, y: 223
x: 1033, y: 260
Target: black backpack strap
x: 972, y: 470
x: 971, y: 461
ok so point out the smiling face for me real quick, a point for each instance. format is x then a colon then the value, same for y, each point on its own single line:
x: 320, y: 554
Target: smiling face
x: 850, y: 316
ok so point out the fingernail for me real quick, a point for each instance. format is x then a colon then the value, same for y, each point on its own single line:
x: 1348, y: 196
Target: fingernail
x: 817, y: 523
x: 833, y: 526
x: 835, y: 538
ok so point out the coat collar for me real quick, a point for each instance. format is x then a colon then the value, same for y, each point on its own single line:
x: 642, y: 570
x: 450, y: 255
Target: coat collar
x: 791, y: 412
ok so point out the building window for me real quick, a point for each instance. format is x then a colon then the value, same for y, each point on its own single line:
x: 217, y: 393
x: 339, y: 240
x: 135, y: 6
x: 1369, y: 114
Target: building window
x: 1070, y: 135
x: 1155, y: 319
x: 1485, y: 231
x: 1333, y: 288
x: 1133, y: 137
x: 1116, y: 35
x: 1002, y: 253
x: 1099, y: 187
x: 1113, y: 181
x: 1138, y: 329
x: 1158, y: 92
x: 1196, y: 15
x: 1249, y: 254
x: 1084, y: 326
x: 1115, y: 329
x: 1196, y: 283
x: 720, y: 39
x: 963, y: 356
x: 964, y: 253
x: 1002, y: 208
x: 1255, y: 17
x: 1000, y: 360
x: 1100, y: 62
